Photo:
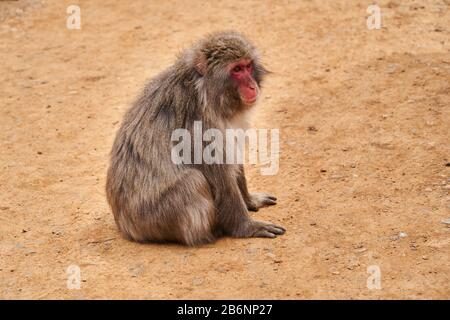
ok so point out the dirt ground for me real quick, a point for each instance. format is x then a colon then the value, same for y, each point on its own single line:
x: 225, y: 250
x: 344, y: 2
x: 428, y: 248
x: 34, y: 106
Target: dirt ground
x: 364, y: 175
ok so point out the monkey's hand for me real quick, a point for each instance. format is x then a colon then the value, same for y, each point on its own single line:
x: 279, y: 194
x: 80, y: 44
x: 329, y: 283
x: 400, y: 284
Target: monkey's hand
x: 260, y: 199
x: 266, y: 230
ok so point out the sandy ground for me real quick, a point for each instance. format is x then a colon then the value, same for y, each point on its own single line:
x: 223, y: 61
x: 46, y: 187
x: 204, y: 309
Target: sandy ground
x: 364, y: 121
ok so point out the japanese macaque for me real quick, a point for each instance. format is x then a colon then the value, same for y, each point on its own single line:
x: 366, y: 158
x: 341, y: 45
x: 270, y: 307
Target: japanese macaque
x: 217, y: 82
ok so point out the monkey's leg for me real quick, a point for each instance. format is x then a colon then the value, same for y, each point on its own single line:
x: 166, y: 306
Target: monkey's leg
x: 184, y: 212
x: 193, y: 205
x: 232, y: 215
x: 254, y: 200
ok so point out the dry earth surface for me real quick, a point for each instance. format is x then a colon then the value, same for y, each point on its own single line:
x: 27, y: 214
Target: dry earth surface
x: 364, y: 175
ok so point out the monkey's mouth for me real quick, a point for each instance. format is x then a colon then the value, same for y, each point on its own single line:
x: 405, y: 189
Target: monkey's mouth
x: 249, y: 94
x: 249, y: 102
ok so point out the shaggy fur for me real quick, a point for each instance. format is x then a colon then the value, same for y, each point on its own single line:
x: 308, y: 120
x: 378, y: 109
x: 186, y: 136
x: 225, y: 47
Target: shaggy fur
x: 152, y: 198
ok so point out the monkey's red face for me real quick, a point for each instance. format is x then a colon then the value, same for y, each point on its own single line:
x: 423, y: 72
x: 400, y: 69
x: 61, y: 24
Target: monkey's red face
x: 241, y: 73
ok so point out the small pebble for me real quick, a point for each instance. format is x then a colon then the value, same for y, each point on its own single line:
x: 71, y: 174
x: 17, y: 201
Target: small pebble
x: 197, y: 281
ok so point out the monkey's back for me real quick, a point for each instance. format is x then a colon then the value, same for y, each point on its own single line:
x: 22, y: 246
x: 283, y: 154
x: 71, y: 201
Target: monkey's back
x: 142, y: 178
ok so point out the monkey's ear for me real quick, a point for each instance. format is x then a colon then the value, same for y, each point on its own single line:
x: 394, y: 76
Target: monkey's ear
x: 200, y: 63
x: 262, y: 70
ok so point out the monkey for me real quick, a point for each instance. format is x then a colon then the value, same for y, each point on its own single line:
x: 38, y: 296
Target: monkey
x: 216, y: 81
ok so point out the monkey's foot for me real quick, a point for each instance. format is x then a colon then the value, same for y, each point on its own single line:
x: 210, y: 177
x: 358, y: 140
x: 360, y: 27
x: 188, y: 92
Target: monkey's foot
x: 267, y: 230
x: 259, y: 200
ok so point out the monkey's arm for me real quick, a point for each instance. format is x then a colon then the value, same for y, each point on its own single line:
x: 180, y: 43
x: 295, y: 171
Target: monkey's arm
x: 255, y: 200
x: 232, y: 214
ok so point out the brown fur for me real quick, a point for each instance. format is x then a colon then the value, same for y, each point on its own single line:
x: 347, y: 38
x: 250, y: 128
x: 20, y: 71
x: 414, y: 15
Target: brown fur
x: 152, y: 198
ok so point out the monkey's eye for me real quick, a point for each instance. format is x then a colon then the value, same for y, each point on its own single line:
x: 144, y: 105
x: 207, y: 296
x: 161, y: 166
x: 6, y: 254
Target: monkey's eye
x: 249, y: 66
x: 237, y: 69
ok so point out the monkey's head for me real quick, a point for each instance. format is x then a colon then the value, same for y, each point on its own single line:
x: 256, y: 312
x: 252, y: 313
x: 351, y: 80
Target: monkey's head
x: 229, y: 66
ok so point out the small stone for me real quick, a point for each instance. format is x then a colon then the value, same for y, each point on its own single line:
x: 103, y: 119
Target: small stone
x: 39, y: 152
x: 30, y: 252
x: 336, y: 272
x: 391, y: 68
x: 197, y: 281
x: 251, y: 250
x: 402, y: 235
x: 446, y: 221
x: 428, y: 189
x: 222, y: 269
x: 424, y: 257
x: 270, y: 255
